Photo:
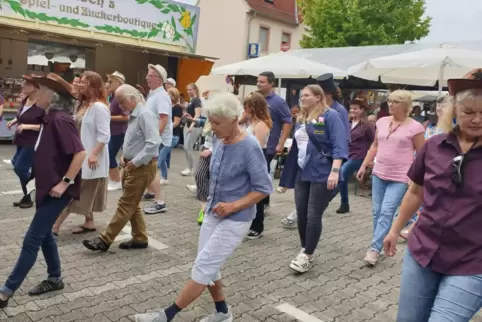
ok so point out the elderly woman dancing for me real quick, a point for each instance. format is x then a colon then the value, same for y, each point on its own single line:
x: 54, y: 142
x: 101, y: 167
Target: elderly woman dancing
x: 442, y: 268
x: 57, y: 163
x: 239, y: 180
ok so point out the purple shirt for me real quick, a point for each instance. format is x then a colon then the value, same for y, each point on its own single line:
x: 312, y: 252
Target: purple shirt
x: 362, y: 136
x: 59, y: 140
x: 447, y: 236
x: 280, y: 114
x: 33, y: 116
x: 117, y: 128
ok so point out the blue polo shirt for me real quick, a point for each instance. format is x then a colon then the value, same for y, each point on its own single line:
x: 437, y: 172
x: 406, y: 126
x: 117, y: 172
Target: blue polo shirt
x: 280, y: 114
x: 344, y: 117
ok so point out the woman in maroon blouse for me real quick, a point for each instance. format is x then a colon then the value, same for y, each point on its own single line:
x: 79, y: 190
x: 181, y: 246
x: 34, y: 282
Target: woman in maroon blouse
x: 442, y: 268
x: 28, y: 120
x: 57, y: 163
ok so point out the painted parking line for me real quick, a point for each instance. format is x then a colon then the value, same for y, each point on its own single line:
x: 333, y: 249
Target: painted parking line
x: 154, y: 243
x: 13, y: 192
x: 297, y: 313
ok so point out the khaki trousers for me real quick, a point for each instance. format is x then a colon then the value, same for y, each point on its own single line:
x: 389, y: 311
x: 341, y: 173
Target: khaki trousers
x: 134, y: 183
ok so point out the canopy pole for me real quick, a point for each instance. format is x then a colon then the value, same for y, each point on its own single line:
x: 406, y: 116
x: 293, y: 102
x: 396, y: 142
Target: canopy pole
x: 279, y: 86
x: 441, y: 78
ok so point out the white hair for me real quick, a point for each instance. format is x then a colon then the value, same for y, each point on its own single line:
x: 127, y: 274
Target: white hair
x: 224, y: 105
x: 131, y: 93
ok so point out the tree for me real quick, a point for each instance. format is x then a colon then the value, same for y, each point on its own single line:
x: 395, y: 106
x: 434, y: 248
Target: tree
x: 342, y: 23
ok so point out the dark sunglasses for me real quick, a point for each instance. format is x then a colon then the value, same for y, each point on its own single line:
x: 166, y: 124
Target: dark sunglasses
x: 458, y: 167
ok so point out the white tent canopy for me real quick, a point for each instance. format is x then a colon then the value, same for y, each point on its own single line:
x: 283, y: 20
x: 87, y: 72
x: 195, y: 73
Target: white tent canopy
x: 282, y: 65
x: 423, y: 67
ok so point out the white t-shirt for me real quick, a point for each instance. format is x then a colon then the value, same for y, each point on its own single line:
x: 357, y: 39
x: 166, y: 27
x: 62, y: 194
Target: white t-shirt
x: 159, y: 102
x: 302, y: 139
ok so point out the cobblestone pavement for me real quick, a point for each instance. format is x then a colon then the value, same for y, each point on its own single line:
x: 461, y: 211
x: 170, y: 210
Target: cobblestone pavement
x: 118, y: 284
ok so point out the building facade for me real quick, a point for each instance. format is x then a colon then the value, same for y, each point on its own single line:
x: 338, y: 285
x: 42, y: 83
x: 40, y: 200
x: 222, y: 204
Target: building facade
x: 228, y: 27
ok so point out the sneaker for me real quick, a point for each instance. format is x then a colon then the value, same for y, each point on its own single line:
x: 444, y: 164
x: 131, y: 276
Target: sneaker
x: 132, y: 244
x: 7, y: 161
x: 186, y: 172
x: 164, y: 182
x: 301, y: 263
x: 344, y: 208
x: 371, y: 257
x: 219, y: 317
x: 302, y: 251
x: 254, y: 235
x: 114, y: 186
x: 151, y: 317
x: 289, y: 223
x: 200, y: 218
x: 281, y: 190
x: 192, y: 188
x: 96, y: 244
x: 45, y: 287
x: 4, y: 303
x: 148, y: 196
x: 156, y: 208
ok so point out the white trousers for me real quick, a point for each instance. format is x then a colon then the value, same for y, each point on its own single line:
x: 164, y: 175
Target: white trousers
x: 218, y: 240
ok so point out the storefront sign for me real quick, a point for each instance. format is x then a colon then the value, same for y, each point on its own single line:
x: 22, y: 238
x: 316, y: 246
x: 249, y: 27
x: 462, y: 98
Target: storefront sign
x: 253, y: 50
x: 164, y: 21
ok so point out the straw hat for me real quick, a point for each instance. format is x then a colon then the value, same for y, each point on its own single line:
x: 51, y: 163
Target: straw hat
x: 159, y: 70
x: 29, y: 78
x: 118, y: 76
x: 171, y: 81
x: 55, y: 83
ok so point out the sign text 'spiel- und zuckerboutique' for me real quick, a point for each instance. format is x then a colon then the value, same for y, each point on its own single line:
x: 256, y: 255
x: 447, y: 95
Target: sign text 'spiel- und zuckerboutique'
x: 156, y: 20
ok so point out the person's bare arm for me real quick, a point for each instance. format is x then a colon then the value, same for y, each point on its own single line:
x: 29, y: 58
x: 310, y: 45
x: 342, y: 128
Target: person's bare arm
x: 163, y: 120
x: 418, y: 141
x: 119, y: 118
x: 261, y: 132
x: 76, y: 164
x: 176, y: 122
x: 197, y: 115
x: 372, y: 152
x: 32, y: 127
x: 243, y: 119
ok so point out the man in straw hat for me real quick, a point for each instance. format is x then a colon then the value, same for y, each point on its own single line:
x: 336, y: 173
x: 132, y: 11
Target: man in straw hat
x: 170, y: 83
x: 56, y: 168
x: 159, y: 102
x: 118, y: 127
x: 139, y: 158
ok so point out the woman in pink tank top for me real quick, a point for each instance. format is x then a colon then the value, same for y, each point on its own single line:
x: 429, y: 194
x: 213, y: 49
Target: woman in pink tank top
x: 397, y: 139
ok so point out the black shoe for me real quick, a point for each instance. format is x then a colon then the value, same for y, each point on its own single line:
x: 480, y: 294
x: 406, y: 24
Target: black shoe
x: 254, y: 235
x: 4, y: 304
x: 96, y: 244
x: 344, y: 208
x: 24, y: 202
x: 131, y: 244
x: 45, y: 287
x: 149, y: 196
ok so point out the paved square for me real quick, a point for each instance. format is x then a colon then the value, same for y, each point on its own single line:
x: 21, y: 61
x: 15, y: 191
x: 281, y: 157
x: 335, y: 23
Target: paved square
x: 258, y: 282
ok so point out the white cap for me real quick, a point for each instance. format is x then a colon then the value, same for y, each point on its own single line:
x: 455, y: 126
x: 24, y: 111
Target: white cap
x: 160, y: 70
x: 117, y: 75
x: 171, y: 81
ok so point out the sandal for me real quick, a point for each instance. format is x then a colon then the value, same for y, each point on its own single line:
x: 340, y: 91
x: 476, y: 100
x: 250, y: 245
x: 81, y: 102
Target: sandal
x: 83, y: 230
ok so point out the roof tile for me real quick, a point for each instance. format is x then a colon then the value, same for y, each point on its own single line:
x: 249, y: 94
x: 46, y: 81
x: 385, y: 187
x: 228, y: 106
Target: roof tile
x: 284, y: 10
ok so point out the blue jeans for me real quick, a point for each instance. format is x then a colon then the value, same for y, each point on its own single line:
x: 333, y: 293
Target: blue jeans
x: 347, y: 170
x: 386, y: 197
x: 175, y: 141
x: 115, y: 144
x: 22, y: 163
x: 164, y: 151
x: 428, y: 296
x: 38, y: 235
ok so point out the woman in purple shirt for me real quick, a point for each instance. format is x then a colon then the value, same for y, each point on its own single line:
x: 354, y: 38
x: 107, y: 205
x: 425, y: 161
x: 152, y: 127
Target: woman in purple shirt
x: 442, y: 268
x: 362, y: 136
x: 28, y: 120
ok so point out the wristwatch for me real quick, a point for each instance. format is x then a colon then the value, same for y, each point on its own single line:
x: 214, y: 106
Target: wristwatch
x: 335, y: 170
x: 67, y: 180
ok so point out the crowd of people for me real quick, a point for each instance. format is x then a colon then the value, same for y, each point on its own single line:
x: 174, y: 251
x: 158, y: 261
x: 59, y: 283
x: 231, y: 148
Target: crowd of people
x: 71, y: 138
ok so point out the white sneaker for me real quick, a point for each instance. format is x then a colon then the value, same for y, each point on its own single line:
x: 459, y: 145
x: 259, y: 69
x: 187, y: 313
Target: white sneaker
x: 7, y: 161
x: 281, y: 190
x: 219, y: 317
x: 186, y: 172
x: 152, y: 317
x: 164, y: 182
x: 302, y: 251
x: 301, y: 263
x: 192, y: 188
x: 114, y: 186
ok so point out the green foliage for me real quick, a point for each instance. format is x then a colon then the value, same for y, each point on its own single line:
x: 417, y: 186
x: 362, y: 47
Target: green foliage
x: 343, y: 23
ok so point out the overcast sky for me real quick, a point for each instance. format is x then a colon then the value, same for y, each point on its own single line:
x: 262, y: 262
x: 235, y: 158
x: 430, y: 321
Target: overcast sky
x: 454, y: 20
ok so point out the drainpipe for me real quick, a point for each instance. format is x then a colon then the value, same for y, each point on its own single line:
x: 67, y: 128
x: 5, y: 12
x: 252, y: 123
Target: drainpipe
x: 247, y: 41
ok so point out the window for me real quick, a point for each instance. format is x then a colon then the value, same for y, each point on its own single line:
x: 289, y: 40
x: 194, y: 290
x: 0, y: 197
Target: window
x: 285, y: 41
x: 269, y: 1
x: 263, y: 39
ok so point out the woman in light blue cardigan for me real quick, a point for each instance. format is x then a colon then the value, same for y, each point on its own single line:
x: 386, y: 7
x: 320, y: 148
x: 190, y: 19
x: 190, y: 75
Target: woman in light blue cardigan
x: 93, y: 121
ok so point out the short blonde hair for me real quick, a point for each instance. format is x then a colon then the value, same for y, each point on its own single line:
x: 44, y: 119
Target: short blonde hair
x: 224, y: 105
x: 174, y: 94
x: 404, y: 97
x: 451, y: 104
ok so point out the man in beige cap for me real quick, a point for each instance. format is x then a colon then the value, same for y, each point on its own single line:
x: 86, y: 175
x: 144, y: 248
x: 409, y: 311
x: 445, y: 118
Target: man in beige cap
x: 118, y: 127
x: 159, y: 102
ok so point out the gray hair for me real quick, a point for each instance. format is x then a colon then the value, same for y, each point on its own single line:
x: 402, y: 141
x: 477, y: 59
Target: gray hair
x: 450, y: 105
x: 59, y: 102
x: 131, y: 93
x: 225, y: 105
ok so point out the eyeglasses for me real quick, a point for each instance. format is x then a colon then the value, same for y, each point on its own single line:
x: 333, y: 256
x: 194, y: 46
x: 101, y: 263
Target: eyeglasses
x: 458, y: 167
